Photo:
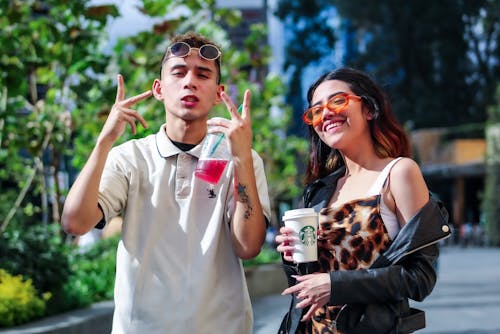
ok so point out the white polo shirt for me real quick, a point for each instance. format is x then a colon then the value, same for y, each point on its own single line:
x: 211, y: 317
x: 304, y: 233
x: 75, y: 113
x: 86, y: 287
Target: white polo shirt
x: 176, y: 269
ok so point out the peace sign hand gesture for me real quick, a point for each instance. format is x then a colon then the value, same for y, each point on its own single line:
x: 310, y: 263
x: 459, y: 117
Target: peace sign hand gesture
x: 238, y: 129
x: 121, y: 114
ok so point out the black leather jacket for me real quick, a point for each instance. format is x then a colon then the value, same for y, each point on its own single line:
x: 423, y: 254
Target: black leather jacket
x: 375, y: 300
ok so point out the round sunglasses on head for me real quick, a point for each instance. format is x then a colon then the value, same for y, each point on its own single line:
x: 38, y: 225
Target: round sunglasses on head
x: 314, y: 115
x: 182, y: 49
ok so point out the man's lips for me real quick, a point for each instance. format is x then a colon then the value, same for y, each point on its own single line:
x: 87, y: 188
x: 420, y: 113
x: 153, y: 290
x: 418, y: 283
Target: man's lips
x: 190, y: 100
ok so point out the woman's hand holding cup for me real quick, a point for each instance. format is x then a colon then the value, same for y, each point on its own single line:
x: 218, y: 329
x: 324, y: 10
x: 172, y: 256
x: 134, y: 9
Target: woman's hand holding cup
x: 286, y: 240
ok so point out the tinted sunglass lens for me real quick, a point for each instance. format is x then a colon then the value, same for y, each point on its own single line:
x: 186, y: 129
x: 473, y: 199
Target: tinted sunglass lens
x: 209, y: 52
x: 341, y: 101
x: 316, y: 114
x: 309, y: 116
x: 179, y: 49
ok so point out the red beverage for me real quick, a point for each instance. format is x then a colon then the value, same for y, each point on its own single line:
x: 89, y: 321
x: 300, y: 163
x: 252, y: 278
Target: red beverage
x: 210, y: 170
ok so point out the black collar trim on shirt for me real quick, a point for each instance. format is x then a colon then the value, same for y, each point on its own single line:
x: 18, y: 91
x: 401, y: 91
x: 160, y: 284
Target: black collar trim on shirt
x: 183, y: 146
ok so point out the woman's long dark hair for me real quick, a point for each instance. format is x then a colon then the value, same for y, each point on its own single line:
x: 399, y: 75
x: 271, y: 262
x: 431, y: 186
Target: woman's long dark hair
x: 388, y: 135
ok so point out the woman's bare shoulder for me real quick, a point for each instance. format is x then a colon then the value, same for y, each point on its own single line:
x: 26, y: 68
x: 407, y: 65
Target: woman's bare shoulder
x: 408, y: 187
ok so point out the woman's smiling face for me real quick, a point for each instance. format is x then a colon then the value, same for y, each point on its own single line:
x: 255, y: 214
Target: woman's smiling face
x: 344, y: 128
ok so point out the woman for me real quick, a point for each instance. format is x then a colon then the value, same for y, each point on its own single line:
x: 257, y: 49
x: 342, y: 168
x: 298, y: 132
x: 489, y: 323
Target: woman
x: 378, y: 227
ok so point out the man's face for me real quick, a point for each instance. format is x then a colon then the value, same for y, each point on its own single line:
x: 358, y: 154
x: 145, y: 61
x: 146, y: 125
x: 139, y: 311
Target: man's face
x: 189, y: 86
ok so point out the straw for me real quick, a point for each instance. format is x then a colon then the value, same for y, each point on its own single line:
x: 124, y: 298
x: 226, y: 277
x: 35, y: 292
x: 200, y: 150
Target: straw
x: 221, y: 136
x: 216, y: 145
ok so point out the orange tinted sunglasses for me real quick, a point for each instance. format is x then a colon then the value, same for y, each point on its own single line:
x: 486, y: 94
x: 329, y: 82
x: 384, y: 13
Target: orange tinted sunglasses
x: 314, y: 115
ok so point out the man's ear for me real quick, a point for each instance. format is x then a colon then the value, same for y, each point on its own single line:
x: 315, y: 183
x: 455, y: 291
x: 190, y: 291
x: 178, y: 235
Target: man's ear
x: 157, y: 91
x: 220, y: 89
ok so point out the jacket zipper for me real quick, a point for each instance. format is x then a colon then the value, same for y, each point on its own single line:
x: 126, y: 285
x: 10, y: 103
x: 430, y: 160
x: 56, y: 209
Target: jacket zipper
x: 420, y: 247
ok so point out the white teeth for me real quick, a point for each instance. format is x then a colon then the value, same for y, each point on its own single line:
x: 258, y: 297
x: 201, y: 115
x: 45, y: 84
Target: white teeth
x: 334, y: 125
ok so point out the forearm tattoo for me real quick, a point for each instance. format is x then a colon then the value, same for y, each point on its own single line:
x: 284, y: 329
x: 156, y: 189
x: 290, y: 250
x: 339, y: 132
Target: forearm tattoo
x: 242, y: 194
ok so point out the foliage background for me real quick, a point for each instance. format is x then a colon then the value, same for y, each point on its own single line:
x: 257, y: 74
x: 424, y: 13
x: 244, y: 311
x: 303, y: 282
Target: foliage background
x: 50, y: 119
x: 58, y: 79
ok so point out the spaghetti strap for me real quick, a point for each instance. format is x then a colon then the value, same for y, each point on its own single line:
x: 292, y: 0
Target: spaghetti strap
x: 377, y: 186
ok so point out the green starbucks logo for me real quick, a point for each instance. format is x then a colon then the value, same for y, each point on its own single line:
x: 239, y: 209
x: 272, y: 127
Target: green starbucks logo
x: 307, y: 236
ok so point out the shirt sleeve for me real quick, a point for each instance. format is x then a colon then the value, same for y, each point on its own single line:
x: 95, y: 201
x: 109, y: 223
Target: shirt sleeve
x: 114, y: 184
x: 261, y: 180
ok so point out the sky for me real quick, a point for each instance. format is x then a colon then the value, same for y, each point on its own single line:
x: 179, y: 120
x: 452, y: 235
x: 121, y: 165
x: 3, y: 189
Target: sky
x: 130, y: 21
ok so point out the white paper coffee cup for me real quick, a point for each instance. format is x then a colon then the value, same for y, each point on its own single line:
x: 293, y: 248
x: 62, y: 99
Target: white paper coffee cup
x: 304, y: 222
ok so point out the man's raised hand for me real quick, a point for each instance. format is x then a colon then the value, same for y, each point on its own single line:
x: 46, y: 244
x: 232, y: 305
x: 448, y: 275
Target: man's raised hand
x: 121, y: 113
x: 238, y: 129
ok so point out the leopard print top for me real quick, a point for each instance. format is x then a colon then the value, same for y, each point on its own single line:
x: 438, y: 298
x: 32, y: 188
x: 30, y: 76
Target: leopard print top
x: 350, y: 237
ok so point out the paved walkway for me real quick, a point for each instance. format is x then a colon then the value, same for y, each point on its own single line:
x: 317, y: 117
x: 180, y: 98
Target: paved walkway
x: 466, y: 298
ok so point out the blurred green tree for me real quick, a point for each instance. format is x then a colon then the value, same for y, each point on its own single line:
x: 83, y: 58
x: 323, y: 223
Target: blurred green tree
x: 59, y: 84
x: 48, y: 50
x: 491, y: 205
x: 438, y: 59
x: 49, y: 47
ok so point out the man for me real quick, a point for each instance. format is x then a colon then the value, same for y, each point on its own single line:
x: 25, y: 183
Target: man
x: 178, y: 262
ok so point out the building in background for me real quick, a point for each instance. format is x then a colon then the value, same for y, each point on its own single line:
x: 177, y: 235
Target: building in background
x: 455, y: 171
